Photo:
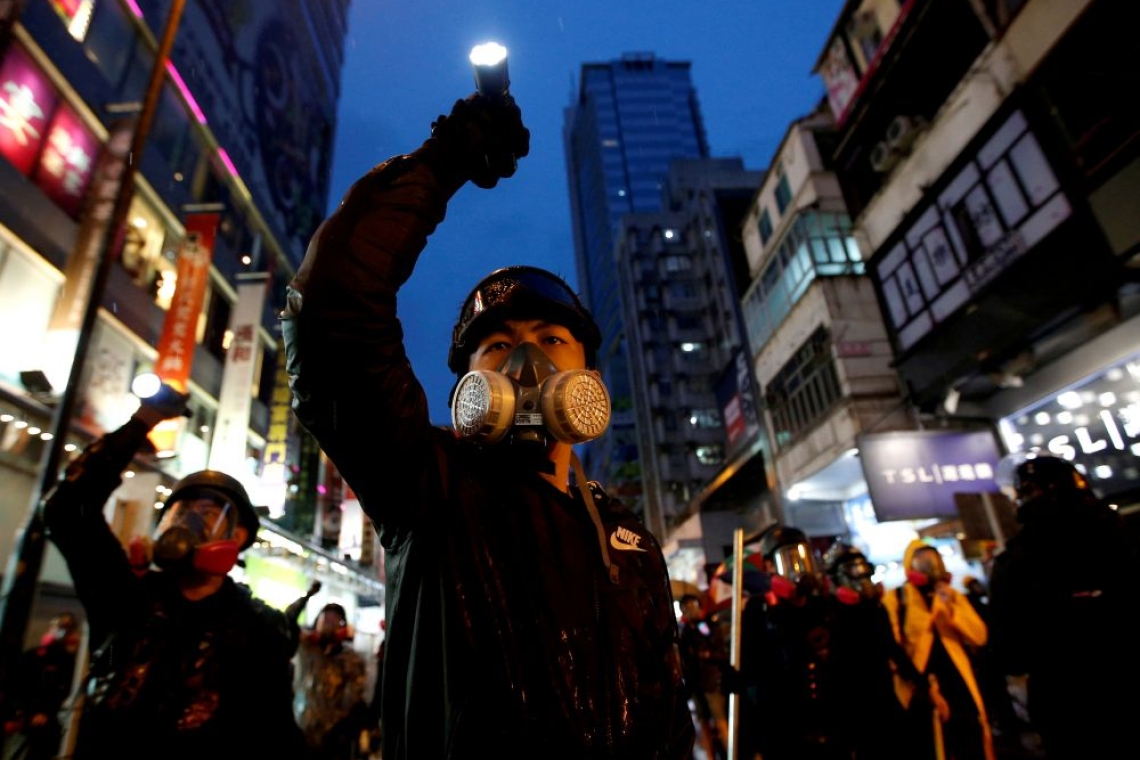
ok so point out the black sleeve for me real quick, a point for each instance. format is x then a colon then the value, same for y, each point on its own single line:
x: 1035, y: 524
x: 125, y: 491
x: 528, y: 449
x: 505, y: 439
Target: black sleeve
x: 73, y: 514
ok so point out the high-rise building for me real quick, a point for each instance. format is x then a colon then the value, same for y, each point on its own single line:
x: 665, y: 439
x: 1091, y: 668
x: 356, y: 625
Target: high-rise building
x: 679, y: 269
x: 630, y: 118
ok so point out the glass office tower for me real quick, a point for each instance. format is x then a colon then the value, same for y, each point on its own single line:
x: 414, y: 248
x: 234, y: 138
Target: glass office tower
x: 631, y: 117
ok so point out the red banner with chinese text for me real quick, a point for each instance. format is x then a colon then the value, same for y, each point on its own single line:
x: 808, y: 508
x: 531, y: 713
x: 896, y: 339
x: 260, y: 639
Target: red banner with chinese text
x: 179, y: 330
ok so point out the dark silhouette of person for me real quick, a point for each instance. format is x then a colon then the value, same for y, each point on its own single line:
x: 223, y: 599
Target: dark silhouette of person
x: 788, y: 707
x: 329, y: 700
x: 865, y: 657
x: 529, y: 612
x: 702, y: 662
x: 44, y: 677
x: 1062, y: 591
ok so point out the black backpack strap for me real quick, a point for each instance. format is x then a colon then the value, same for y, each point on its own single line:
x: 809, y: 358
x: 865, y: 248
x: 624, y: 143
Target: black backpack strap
x: 901, y: 598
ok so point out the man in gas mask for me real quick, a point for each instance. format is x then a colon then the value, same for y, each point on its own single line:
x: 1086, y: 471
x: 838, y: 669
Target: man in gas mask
x: 185, y: 662
x: 788, y: 706
x: 865, y: 658
x: 529, y: 614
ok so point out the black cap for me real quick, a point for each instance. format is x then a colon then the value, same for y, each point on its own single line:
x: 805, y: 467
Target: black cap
x: 520, y: 292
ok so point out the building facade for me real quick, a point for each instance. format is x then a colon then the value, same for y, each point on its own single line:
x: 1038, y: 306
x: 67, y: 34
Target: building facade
x: 988, y: 158
x: 630, y: 118
x: 678, y: 272
x: 231, y: 182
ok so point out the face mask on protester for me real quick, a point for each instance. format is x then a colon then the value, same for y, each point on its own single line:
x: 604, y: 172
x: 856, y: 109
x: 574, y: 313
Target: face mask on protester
x: 926, y: 568
x: 529, y: 400
x: 197, y: 532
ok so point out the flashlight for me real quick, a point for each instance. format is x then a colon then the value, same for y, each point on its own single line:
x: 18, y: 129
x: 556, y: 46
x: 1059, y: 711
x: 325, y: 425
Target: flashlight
x: 489, y: 61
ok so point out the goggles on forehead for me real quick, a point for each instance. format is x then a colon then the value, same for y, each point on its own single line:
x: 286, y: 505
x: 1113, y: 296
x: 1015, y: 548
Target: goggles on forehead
x: 541, y: 282
x: 505, y: 288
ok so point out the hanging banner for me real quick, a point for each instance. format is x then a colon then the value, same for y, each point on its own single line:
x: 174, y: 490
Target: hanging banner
x: 66, y: 320
x: 274, y: 487
x: 179, y: 331
x: 235, y: 399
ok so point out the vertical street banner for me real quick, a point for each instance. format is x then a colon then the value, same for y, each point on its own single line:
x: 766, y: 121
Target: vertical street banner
x: 66, y: 320
x: 239, y: 377
x: 274, y: 486
x: 179, y: 330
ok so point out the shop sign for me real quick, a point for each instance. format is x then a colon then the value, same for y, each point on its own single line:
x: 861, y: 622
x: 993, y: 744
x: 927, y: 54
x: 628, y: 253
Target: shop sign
x: 914, y: 475
x: 27, y: 100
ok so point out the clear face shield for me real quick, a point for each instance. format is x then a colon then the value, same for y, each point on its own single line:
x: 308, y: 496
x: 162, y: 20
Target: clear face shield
x: 798, y: 565
x: 198, y: 531
x: 855, y: 574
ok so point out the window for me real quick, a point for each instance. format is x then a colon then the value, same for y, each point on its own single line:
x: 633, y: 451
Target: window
x: 765, y: 227
x: 805, y: 389
x: 710, y: 455
x: 704, y: 418
x: 217, y: 324
x: 783, y: 193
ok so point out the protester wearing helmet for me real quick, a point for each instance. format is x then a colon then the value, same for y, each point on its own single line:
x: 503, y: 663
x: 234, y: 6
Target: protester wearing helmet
x: 851, y: 574
x: 1062, y: 585
x: 865, y: 658
x: 788, y: 700
x: 185, y: 662
x: 528, y: 611
x: 937, y: 626
x: 793, y: 562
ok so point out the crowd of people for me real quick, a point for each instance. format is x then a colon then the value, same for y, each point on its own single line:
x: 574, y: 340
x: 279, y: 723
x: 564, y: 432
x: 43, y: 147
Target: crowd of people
x: 833, y: 666
x: 529, y: 612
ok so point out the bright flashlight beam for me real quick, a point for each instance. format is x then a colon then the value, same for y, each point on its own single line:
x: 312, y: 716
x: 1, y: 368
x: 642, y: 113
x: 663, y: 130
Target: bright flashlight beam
x: 488, y: 54
x: 145, y: 386
x: 489, y: 62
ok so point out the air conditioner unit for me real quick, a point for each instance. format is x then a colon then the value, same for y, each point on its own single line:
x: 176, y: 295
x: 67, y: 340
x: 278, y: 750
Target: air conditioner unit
x: 902, y: 131
x: 883, y: 157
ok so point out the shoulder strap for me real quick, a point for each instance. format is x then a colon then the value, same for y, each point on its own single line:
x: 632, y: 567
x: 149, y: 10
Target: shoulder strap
x: 900, y: 595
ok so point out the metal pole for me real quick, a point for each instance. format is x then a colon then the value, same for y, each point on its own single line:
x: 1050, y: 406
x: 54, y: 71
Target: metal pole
x: 18, y: 595
x: 734, y: 648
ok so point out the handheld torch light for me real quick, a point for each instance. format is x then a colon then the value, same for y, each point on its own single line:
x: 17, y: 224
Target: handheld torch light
x: 489, y: 62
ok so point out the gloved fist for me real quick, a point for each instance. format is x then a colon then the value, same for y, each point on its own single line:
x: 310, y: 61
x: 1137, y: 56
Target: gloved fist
x: 166, y: 404
x: 482, y: 138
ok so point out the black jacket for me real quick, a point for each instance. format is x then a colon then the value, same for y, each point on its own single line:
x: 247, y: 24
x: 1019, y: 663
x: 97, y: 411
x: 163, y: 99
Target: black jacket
x: 169, y: 677
x: 1062, y: 591
x: 505, y: 633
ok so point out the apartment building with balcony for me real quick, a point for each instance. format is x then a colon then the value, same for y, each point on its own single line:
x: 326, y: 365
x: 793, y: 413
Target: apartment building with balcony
x: 988, y: 157
x: 820, y: 351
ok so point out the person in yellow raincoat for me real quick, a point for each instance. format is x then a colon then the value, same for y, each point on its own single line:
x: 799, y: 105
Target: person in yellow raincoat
x: 935, y: 624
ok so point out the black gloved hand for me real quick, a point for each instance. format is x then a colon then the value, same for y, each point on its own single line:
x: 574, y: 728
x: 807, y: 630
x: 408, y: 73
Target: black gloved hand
x: 166, y: 404
x: 482, y: 139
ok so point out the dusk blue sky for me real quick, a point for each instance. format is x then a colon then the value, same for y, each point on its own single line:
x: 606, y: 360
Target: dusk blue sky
x: 406, y: 63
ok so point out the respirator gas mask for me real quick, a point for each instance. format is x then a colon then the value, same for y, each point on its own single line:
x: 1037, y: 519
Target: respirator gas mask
x: 197, y: 532
x: 926, y: 568
x: 528, y: 400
